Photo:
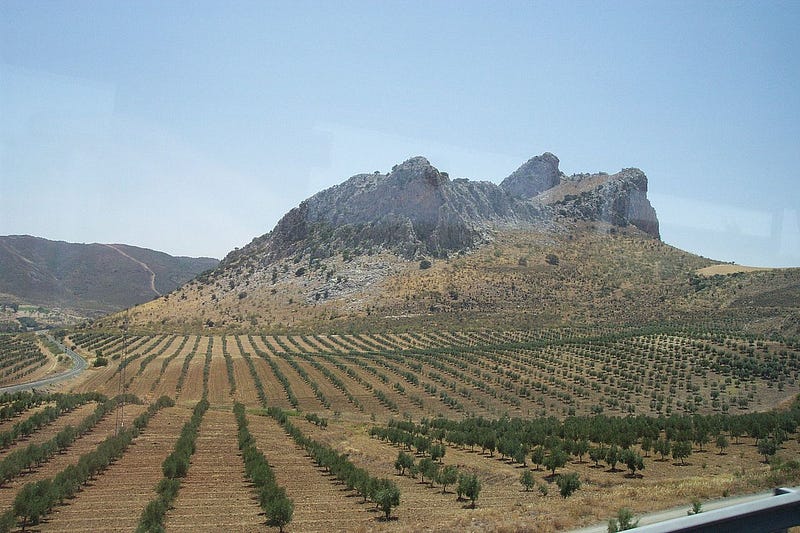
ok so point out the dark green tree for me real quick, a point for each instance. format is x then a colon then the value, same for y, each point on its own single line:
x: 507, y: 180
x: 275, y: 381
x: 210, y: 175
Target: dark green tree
x: 437, y: 452
x: 681, y: 450
x: 580, y: 449
x: 722, y: 443
x: 555, y: 459
x: 568, y: 484
x: 387, y: 496
x: 767, y: 447
x: 403, y: 461
x: 662, y: 447
x: 279, y: 511
x: 597, y: 454
x: 447, y: 476
x: 527, y: 480
x: 632, y: 460
x: 613, y: 456
x: 470, y: 486
x: 427, y: 468
x: 537, y: 456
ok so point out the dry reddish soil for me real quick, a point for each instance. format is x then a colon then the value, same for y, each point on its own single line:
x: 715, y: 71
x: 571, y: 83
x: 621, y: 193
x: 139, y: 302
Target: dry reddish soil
x: 7, y: 424
x: 58, y: 462
x: 127, y: 486
x: 49, y: 431
x: 504, y: 505
x: 320, y: 502
x: 214, y: 495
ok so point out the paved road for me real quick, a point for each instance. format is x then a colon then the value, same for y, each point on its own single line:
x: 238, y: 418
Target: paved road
x: 677, y: 512
x: 78, y: 366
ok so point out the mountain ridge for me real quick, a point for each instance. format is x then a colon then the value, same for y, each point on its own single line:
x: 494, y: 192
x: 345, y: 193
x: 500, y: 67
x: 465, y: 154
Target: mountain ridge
x: 88, y: 279
x: 416, y: 210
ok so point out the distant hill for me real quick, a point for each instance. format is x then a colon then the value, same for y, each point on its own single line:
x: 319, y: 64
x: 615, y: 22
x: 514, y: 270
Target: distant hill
x: 88, y: 279
x: 414, y: 249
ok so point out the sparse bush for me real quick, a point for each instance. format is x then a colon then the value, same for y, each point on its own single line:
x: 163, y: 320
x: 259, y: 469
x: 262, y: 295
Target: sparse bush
x: 697, y: 507
x: 623, y: 521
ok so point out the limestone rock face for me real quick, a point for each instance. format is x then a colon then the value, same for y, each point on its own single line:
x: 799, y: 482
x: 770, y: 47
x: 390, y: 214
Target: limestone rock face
x: 416, y: 210
x: 619, y: 199
x: 538, y: 174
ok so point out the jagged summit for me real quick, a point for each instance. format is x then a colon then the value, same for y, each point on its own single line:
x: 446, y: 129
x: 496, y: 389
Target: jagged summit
x: 416, y: 210
x: 538, y: 174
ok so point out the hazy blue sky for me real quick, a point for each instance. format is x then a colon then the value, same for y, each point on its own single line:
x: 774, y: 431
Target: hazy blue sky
x: 191, y: 127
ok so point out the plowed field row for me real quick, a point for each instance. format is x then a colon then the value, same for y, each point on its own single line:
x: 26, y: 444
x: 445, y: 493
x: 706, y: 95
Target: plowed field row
x: 459, y: 374
x: 49, y: 431
x: 125, y: 488
x: 321, y: 503
x: 58, y: 462
x: 214, y: 495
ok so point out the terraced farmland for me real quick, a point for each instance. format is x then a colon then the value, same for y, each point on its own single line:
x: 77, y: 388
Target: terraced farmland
x: 340, y: 392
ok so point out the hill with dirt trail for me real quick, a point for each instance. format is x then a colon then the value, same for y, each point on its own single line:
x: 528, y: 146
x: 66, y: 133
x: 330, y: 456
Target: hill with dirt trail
x: 86, y: 280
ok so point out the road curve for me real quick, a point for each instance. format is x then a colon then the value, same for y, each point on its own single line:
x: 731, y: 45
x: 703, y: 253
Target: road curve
x: 78, y: 366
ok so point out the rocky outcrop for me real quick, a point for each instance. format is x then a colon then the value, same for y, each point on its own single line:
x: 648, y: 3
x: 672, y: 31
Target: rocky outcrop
x: 416, y: 210
x: 537, y: 175
x: 619, y: 199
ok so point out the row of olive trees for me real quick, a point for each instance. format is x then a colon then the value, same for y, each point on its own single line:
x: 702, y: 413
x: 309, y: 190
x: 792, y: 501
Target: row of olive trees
x: 17, y: 402
x: 185, y: 367
x: 174, y: 467
x: 20, y: 352
x: 229, y: 365
x: 35, y: 455
x: 272, y: 497
x: 287, y: 387
x: 165, y: 363
x: 308, y: 379
x: 154, y: 354
x: 64, y: 404
x: 37, y: 499
x: 383, y: 492
x: 467, y: 484
x: 262, y: 395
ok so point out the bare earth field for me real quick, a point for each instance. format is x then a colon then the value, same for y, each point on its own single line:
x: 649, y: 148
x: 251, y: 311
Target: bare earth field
x: 355, y: 382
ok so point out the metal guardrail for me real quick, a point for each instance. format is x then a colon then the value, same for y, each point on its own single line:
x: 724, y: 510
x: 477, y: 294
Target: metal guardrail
x: 772, y: 514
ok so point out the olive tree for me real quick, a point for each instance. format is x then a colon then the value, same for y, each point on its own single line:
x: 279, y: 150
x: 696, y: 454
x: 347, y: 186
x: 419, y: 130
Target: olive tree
x: 568, y: 484
x: 387, y: 496
x: 527, y: 480
x: 470, y: 486
x: 447, y: 476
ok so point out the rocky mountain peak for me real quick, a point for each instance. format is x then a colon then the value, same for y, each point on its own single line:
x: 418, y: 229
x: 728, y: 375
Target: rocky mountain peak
x: 418, y: 169
x: 538, y: 174
x: 416, y: 210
